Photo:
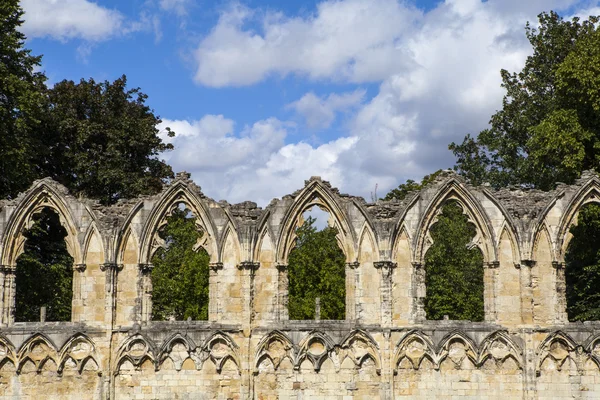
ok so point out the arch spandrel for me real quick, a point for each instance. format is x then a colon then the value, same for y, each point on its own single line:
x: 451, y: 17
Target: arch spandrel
x: 316, y: 193
x: 43, y: 194
x: 179, y: 192
x: 472, y: 208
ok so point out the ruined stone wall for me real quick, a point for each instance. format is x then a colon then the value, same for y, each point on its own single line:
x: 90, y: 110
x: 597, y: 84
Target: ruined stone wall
x: 249, y: 349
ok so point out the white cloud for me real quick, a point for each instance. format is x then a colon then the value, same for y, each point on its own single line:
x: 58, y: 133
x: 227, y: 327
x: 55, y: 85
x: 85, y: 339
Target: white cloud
x: 68, y: 19
x: 179, y: 7
x: 439, y: 80
x: 351, y: 39
x: 319, y: 113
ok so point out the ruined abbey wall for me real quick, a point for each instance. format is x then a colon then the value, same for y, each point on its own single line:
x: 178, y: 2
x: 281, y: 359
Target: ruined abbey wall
x: 249, y: 349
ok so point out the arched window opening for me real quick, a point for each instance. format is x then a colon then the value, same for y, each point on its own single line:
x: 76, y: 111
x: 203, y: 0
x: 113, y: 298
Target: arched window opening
x: 453, y: 270
x: 582, y: 266
x: 316, y: 268
x: 44, y: 272
x: 181, y: 270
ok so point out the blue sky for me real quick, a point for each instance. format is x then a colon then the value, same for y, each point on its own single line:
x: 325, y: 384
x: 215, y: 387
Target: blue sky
x: 264, y: 94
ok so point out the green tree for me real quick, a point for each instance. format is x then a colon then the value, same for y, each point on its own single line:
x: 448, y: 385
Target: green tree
x: 44, y: 272
x: 454, y: 272
x: 103, y: 140
x: 548, y: 129
x: 21, y: 103
x: 316, y: 268
x: 411, y: 186
x: 582, y: 271
x: 180, y: 274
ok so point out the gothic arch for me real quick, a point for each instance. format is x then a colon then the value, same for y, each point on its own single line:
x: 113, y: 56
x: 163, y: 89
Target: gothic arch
x: 41, y: 195
x: 316, y: 347
x: 499, y: 348
x: 179, y: 192
x: 557, y: 348
x: 136, y: 349
x: 589, y: 193
x: 315, y: 193
x: 358, y: 346
x: 179, y: 348
x: 472, y: 208
x: 79, y: 352
x: 37, y: 349
x: 414, y: 347
x: 220, y: 348
x: 457, y: 356
x: 276, y: 346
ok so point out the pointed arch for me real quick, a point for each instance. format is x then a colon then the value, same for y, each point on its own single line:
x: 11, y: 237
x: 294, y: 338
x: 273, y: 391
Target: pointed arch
x: 7, y: 351
x: 358, y: 346
x: 315, y: 347
x: 472, y: 208
x: 44, y: 193
x: 220, y: 348
x: 37, y: 349
x: 445, y: 350
x: 230, y: 241
x: 557, y: 348
x: 589, y: 193
x: 136, y: 349
x: 415, y: 347
x: 499, y: 347
x: 178, y: 356
x: 179, y: 192
x: 79, y: 348
x: 93, y: 234
x: 276, y: 346
x: 315, y: 193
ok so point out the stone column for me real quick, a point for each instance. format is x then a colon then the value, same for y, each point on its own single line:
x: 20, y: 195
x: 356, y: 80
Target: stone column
x: 145, y: 292
x: 6, y: 299
x: 560, y: 301
x: 77, y: 313
x: 111, y: 270
x: 386, y: 269
x: 248, y: 269
x: 490, y: 279
x: 352, y: 291
x: 214, y: 308
x: 526, y: 290
x: 282, y: 312
x: 419, y: 293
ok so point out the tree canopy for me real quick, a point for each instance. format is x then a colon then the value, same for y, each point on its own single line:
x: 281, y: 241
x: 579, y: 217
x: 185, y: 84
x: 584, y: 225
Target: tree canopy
x: 548, y: 129
x: 22, y: 104
x: 180, y: 274
x: 316, y: 268
x: 44, y: 272
x: 453, y: 271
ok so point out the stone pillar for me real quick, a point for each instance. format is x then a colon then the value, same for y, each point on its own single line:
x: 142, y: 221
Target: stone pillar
x: 145, y: 292
x: 248, y: 269
x: 111, y: 270
x: 526, y: 290
x: 386, y: 269
x: 352, y: 291
x: 214, y: 308
x: 490, y: 279
x: 419, y: 293
x: 560, y: 301
x: 282, y: 312
x: 77, y: 313
x: 7, y: 299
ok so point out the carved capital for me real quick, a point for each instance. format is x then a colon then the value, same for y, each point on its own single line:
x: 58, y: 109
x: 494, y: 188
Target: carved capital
x: 417, y: 265
x: 146, y: 268
x: 558, y: 264
x: 216, y: 266
x: 80, y: 267
x: 528, y: 263
x: 282, y: 267
x: 111, y: 267
x: 248, y: 265
x: 7, y: 269
x: 386, y: 267
x: 353, y: 265
x: 491, y: 264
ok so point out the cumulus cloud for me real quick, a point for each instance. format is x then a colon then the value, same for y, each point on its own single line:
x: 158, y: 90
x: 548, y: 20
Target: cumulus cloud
x: 351, y: 39
x: 319, y: 113
x: 68, y: 19
x: 438, y: 75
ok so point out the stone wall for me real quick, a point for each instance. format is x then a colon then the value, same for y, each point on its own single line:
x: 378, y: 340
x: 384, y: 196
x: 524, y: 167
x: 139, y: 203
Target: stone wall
x: 249, y: 349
